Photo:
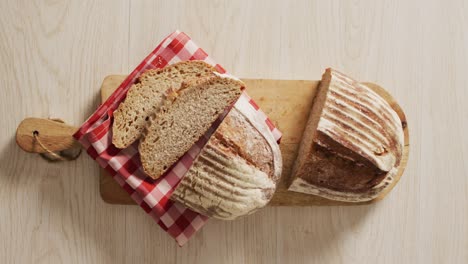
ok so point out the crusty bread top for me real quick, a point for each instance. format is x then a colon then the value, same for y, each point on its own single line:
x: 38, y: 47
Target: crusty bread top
x: 360, y: 120
x: 352, y: 145
x: 146, y: 96
x: 237, y: 171
x: 178, y: 127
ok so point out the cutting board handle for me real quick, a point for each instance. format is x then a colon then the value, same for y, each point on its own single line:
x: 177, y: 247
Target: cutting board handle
x: 39, y: 135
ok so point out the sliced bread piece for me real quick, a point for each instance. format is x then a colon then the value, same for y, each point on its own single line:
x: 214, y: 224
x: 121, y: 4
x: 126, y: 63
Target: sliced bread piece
x: 177, y: 127
x: 145, y: 98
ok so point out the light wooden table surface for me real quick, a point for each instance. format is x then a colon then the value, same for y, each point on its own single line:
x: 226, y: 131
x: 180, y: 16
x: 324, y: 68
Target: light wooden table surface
x: 54, y: 55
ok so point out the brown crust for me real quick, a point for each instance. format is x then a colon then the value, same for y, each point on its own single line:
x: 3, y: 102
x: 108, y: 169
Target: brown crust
x: 332, y: 170
x: 240, y: 138
x: 358, y: 143
x: 235, y: 140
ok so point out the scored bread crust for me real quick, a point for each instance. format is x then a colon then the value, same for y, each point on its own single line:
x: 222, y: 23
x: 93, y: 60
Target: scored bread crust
x: 147, y: 95
x: 300, y: 185
x: 183, y: 121
x: 352, y: 145
x: 237, y: 171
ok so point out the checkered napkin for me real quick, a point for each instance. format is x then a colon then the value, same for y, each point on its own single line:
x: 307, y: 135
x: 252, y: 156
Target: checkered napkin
x: 124, y: 164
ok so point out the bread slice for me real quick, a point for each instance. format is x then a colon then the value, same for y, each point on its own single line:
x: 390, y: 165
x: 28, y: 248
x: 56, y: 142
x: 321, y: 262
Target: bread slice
x: 177, y: 127
x: 145, y: 97
x: 352, y: 144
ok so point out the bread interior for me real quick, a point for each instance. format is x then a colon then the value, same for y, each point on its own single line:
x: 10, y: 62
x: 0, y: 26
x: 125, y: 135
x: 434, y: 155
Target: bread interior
x: 176, y: 128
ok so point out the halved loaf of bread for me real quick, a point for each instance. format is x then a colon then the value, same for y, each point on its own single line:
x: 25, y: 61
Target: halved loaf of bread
x: 352, y: 144
x: 146, y: 96
x: 236, y: 172
x: 179, y: 125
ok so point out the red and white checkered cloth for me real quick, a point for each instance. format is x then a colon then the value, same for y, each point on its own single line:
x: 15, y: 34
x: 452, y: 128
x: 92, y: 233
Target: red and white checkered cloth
x: 124, y: 164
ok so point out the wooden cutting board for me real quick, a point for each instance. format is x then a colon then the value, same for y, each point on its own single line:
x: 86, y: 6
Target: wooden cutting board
x: 287, y: 103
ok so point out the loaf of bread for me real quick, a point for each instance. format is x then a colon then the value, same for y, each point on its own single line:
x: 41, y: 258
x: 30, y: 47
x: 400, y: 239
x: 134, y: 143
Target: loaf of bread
x: 183, y: 119
x: 237, y: 171
x: 352, y: 143
x: 147, y: 95
x: 170, y: 109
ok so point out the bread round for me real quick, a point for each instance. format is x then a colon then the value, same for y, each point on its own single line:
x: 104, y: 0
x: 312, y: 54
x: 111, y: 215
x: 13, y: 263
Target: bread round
x: 352, y: 145
x: 237, y: 171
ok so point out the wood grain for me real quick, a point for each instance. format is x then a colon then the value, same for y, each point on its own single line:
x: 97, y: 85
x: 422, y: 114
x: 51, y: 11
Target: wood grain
x: 54, y: 55
x: 287, y: 103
